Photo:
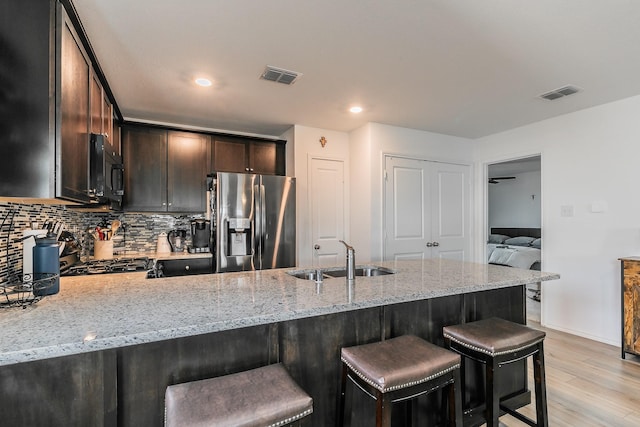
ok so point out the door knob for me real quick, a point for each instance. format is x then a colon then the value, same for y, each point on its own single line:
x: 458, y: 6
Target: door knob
x: 429, y: 244
x: 316, y: 247
x: 436, y: 244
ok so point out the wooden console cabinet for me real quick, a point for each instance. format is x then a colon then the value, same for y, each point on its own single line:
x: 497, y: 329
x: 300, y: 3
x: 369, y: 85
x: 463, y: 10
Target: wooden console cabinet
x: 630, y: 268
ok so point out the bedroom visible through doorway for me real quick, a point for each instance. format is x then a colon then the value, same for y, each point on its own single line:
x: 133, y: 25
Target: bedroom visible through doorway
x: 514, y: 220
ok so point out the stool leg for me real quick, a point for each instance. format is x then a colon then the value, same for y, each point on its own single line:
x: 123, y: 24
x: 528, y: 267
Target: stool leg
x: 455, y: 400
x: 383, y: 410
x: 541, y: 388
x: 340, y: 415
x: 492, y: 397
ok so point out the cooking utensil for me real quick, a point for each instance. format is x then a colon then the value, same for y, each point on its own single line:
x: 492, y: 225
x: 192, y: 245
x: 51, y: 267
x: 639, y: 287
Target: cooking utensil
x: 115, y: 224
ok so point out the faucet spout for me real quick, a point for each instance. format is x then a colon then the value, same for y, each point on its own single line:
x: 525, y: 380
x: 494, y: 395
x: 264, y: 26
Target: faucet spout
x: 351, y: 261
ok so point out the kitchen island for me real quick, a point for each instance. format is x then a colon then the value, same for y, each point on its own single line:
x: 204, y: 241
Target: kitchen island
x: 104, y: 349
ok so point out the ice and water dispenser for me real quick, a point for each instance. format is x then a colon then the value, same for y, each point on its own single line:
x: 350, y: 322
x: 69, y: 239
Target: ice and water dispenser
x: 239, y: 237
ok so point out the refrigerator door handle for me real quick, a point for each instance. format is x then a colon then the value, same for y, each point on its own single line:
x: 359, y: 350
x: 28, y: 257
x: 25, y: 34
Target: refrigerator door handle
x: 257, y: 230
x: 263, y: 219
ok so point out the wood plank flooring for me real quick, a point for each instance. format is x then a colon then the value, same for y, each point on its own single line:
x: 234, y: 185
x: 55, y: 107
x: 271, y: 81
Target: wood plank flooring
x: 588, y: 384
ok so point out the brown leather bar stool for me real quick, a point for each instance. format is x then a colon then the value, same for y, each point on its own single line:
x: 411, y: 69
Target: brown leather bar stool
x: 497, y: 342
x: 400, y: 369
x: 265, y: 396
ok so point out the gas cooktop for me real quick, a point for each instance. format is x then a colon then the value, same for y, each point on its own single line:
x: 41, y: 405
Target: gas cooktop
x: 102, y: 266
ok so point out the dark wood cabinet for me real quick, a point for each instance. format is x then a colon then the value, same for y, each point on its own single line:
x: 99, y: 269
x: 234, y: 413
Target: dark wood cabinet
x: 144, y: 152
x: 75, y: 81
x: 187, y: 172
x: 165, y: 171
x: 242, y: 156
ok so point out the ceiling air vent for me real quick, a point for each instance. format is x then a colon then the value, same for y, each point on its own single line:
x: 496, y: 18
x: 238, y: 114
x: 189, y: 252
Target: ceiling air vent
x: 559, y: 93
x: 279, y: 75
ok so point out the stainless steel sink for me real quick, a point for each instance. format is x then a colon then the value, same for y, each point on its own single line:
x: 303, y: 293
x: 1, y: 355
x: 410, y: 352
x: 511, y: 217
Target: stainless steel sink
x: 331, y: 273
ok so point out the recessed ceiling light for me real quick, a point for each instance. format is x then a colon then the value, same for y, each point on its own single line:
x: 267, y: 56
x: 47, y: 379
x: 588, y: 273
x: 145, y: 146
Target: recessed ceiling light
x: 356, y: 109
x: 203, y: 82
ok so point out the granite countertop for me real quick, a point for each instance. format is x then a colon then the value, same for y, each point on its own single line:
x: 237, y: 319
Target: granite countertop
x: 105, y: 311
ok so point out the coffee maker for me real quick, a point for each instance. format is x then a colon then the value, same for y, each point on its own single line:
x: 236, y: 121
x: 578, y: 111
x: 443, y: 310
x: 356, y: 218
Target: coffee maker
x: 200, y: 235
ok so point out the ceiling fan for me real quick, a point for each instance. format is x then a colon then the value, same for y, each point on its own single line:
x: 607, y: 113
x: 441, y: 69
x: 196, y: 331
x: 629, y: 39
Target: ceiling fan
x: 497, y: 179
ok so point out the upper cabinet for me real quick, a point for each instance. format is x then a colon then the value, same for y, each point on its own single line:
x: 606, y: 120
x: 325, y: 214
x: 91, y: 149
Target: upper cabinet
x: 240, y: 155
x: 52, y: 98
x: 75, y: 116
x: 165, y: 171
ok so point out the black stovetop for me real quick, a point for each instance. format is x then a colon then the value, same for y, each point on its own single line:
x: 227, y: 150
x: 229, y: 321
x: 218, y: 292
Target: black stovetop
x: 103, y: 266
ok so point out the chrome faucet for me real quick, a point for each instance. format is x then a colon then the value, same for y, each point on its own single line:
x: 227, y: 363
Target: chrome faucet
x: 351, y: 261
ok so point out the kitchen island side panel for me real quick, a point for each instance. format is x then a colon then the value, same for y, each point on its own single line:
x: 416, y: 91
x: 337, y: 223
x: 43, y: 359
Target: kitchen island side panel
x: 145, y: 370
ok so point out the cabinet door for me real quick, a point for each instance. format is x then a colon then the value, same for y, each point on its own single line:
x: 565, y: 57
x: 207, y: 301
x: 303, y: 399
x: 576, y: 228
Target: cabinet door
x: 631, y: 307
x: 73, y: 157
x: 145, y: 169
x: 95, y: 99
x: 230, y: 157
x: 187, y: 172
x: 262, y: 158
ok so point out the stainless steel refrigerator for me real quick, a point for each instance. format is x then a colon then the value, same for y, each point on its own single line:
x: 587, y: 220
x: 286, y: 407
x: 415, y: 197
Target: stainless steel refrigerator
x: 253, y: 221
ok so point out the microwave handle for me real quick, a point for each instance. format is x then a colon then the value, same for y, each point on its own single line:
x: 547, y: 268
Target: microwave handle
x: 120, y: 169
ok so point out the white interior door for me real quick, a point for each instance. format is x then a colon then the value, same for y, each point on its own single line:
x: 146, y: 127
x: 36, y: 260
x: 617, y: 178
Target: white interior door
x: 326, y: 194
x: 450, y: 211
x: 426, y: 210
x: 407, y: 214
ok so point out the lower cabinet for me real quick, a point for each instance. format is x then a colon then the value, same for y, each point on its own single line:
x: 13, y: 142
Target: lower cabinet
x: 79, y: 390
x: 630, y: 306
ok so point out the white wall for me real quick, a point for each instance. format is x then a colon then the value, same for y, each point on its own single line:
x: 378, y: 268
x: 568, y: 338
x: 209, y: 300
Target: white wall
x: 368, y: 145
x: 306, y: 144
x: 588, y: 159
x: 515, y: 203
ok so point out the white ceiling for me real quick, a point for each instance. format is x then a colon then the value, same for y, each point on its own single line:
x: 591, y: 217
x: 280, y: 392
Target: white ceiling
x: 458, y: 67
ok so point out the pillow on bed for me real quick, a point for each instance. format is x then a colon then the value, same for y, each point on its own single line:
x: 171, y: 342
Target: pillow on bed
x: 537, y: 243
x: 519, y: 241
x: 497, y: 238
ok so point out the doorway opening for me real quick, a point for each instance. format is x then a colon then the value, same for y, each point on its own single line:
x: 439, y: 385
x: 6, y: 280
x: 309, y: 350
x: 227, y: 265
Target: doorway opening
x: 514, y: 220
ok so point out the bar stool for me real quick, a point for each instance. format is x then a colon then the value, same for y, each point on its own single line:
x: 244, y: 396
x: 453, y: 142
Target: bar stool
x: 265, y: 396
x: 496, y: 342
x: 399, y: 369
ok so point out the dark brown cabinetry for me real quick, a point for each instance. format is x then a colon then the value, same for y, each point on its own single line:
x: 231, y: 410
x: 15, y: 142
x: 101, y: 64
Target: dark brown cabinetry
x: 76, y: 83
x: 187, y: 172
x: 47, y: 103
x: 144, y: 152
x: 165, y: 171
x: 630, y: 306
x: 237, y: 155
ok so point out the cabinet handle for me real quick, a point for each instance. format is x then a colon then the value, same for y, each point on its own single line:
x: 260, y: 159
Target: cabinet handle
x: 246, y: 169
x: 250, y: 169
x: 164, y: 204
x: 170, y: 204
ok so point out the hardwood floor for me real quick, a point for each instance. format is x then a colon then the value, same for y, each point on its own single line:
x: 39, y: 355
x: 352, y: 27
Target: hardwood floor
x: 588, y: 384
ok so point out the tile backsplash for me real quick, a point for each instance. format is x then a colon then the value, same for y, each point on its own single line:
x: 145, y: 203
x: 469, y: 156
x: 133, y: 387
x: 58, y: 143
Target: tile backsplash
x: 138, y: 233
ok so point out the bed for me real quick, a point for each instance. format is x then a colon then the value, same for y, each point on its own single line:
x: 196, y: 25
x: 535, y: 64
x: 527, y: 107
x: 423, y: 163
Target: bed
x: 515, y: 247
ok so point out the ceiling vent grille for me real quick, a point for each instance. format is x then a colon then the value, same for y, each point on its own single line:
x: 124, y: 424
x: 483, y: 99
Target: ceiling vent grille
x: 559, y: 93
x: 280, y: 75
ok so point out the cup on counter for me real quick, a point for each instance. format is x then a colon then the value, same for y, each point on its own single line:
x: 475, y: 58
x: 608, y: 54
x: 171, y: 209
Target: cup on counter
x: 103, y: 249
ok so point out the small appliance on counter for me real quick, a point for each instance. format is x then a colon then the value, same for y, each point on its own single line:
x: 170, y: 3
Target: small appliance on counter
x: 200, y: 235
x: 177, y: 239
x: 163, y: 246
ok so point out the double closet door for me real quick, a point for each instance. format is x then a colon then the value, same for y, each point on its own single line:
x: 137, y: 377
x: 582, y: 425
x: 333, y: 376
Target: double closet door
x: 426, y: 210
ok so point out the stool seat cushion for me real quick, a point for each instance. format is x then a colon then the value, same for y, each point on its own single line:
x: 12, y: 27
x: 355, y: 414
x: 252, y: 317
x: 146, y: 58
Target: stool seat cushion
x: 399, y: 362
x: 265, y: 396
x: 493, y: 336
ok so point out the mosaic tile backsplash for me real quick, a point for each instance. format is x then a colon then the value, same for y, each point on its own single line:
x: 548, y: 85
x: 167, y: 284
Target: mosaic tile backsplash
x: 138, y: 233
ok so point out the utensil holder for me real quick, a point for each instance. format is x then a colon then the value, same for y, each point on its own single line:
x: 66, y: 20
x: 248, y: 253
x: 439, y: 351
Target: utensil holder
x: 103, y: 249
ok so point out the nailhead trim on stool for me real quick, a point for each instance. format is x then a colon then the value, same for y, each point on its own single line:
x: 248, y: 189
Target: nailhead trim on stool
x: 265, y: 396
x: 496, y: 342
x: 400, y: 369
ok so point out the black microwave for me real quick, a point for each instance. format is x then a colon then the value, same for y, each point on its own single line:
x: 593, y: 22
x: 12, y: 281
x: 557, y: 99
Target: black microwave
x: 106, y: 171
